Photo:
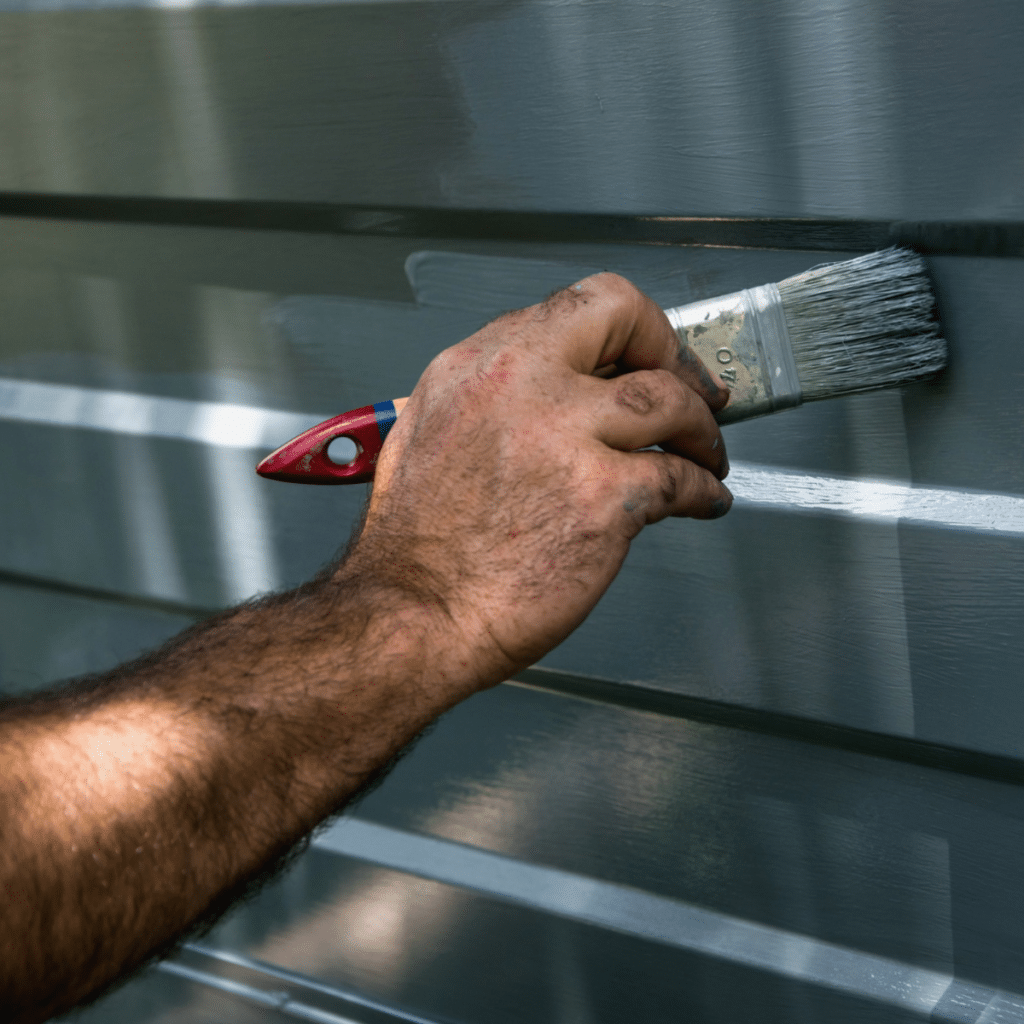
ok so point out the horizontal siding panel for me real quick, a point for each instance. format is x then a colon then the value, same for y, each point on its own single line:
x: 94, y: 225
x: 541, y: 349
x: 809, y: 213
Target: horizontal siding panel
x: 781, y: 606
x: 964, y: 632
x: 48, y: 635
x: 158, y: 997
x: 503, y: 964
x: 219, y: 315
x: 814, y: 615
x: 867, y: 110
x: 173, y: 521
x: 877, y: 858
x: 461, y: 958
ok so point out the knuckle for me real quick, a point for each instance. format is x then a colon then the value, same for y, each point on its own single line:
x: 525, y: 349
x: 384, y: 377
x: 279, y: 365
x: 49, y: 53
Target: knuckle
x: 691, y: 497
x: 436, y: 375
x: 606, y: 287
x: 441, y: 365
x: 562, y: 300
x: 668, y: 481
x: 646, y: 391
x: 675, y: 486
x: 448, y: 360
x: 716, y: 395
x: 672, y: 386
x: 613, y: 287
x: 638, y: 393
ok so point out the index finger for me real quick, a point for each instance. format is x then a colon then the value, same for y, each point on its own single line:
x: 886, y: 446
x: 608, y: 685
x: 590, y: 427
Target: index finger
x: 614, y: 323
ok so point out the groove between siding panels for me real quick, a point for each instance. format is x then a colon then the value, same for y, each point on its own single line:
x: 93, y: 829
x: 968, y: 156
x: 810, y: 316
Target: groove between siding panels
x: 637, y: 697
x: 263, y: 987
x: 952, y: 238
x: 19, y: 579
x: 935, y: 994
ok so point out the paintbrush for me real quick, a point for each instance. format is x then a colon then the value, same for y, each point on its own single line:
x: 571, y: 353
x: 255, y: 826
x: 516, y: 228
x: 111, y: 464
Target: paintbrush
x: 859, y: 325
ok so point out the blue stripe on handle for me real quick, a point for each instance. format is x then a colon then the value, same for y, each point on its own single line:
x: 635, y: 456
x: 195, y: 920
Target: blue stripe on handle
x: 386, y: 416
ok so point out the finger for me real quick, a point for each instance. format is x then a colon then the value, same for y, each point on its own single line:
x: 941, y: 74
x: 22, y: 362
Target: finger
x: 707, y: 384
x: 609, y: 320
x: 660, y: 484
x: 649, y: 407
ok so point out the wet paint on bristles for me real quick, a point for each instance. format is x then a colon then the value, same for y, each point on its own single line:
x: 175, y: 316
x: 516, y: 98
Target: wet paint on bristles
x: 862, y: 324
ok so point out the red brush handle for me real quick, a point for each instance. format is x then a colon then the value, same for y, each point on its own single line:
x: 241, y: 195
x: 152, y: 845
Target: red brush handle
x: 304, y: 459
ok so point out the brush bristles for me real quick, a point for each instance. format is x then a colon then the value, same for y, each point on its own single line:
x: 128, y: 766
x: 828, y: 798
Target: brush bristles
x: 863, y: 324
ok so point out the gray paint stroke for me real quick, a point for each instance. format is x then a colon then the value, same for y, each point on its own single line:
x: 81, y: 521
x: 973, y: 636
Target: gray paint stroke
x: 644, y: 915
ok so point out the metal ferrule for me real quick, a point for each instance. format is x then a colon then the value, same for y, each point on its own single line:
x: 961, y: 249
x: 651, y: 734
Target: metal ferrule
x: 743, y: 337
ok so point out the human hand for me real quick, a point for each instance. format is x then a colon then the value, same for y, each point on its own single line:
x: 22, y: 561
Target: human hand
x: 506, y: 498
x: 509, y: 489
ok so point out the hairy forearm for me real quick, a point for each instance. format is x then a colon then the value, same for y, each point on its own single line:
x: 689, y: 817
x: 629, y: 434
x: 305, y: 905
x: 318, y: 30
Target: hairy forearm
x: 142, y: 802
x: 505, y: 500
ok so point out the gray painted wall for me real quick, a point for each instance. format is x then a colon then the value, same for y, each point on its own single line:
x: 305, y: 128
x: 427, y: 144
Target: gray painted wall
x: 888, y: 108
x: 776, y: 776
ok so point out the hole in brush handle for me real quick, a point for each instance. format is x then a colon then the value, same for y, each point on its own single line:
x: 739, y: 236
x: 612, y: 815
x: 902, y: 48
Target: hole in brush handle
x: 343, y: 451
x: 306, y: 459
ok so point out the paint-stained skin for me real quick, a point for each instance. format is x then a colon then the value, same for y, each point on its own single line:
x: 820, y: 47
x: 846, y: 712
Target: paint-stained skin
x: 636, y: 394
x: 693, y: 362
x: 560, y: 299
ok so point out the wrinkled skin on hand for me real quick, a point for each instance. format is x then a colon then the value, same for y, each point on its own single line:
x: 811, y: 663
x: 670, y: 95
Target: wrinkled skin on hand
x: 509, y: 489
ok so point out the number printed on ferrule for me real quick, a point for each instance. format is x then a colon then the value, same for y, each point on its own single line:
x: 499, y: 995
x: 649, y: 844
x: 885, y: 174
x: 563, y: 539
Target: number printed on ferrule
x: 724, y: 356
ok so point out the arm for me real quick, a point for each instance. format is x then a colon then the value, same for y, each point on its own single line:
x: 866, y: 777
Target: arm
x: 137, y: 804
